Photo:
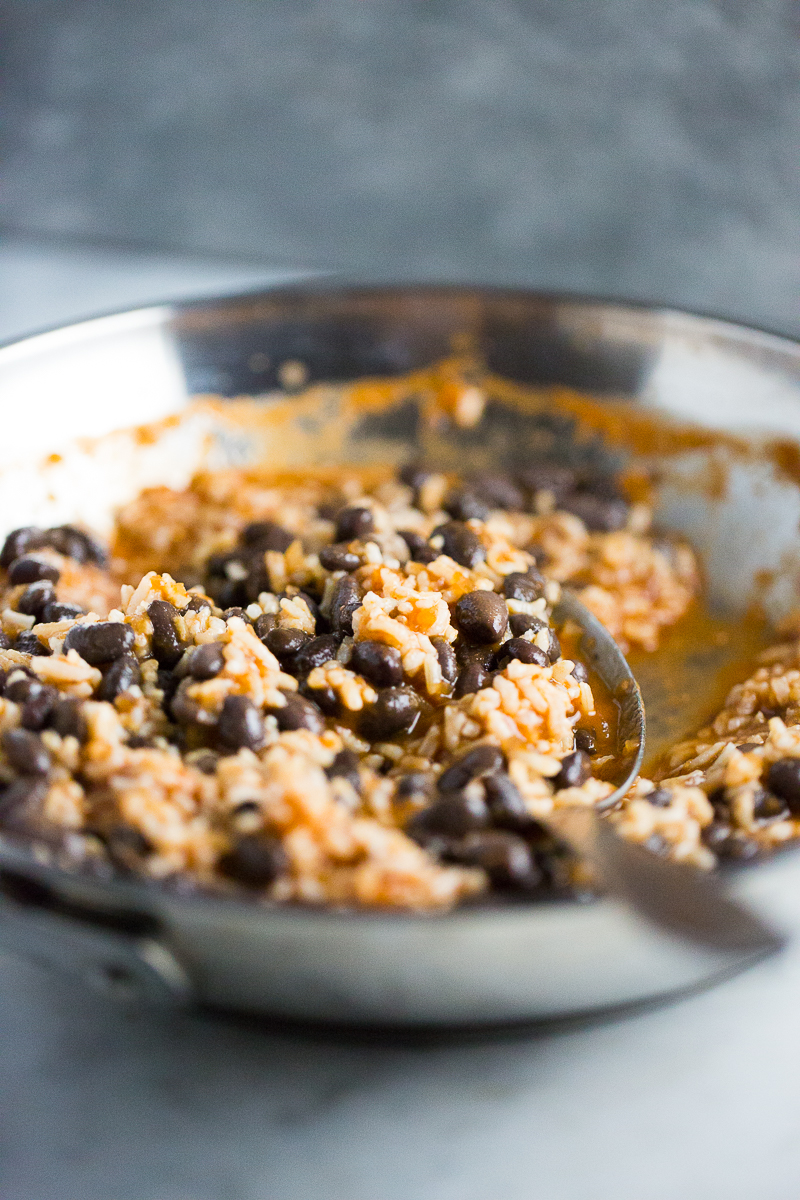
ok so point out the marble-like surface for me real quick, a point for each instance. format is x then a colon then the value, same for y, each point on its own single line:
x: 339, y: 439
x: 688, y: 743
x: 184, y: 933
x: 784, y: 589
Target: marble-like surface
x: 627, y: 147
x: 697, y: 1101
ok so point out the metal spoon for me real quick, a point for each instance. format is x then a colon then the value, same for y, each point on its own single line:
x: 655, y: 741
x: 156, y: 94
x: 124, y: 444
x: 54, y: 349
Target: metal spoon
x: 673, y: 896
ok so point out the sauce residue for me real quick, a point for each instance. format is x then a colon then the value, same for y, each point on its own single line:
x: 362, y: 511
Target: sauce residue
x: 685, y: 681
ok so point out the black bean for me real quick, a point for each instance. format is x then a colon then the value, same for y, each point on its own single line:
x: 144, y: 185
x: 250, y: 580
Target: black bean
x: 266, y: 535
x: 656, y: 843
x: 315, y: 653
x: 17, y: 682
x: 482, y: 617
x: 325, y: 698
x: 21, y: 802
x: 746, y: 747
x: 61, y: 611
x: 730, y: 843
x: 138, y: 741
x: 586, y: 741
x: 460, y: 543
x: 660, y: 797
x: 20, y: 686
x: 19, y: 542
x: 379, y: 664
x: 517, y: 586
x: 30, y: 570
x: 327, y: 509
x: 548, y: 477
x: 519, y: 648
x: 5, y: 641
x: 298, y: 713
x: 246, y: 808
x: 767, y: 808
x: 254, y: 860
x: 505, y: 857
x: 240, y: 724
x: 580, y: 673
x: 127, y: 846
x: 206, y: 661
x: 26, y: 752
x: 224, y: 592
x: 345, y: 600
x: 451, y: 816
x: 466, y: 654
x: 483, y: 760
x: 168, y: 682
x: 536, y: 577
x: 413, y: 475
x: 285, y: 642
x: 575, y: 769
x: 179, y: 705
x: 122, y: 674
x: 100, y: 643
x: 37, y: 708
x: 206, y: 762
x: 75, y: 543
x: 395, y: 711
x: 264, y: 624
x: 783, y: 779
x: 498, y: 491
x: 554, y: 649
x: 520, y: 623
x: 197, y: 604
x: 463, y: 505
x: 419, y: 549
x: 416, y: 783
x: 228, y: 594
x: 716, y: 834
x: 345, y: 766
x: 447, y: 658
x: 35, y: 597
x: 471, y: 679
x: 28, y: 643
x: 506, y: 804
x: 68, y: 718
x: 166, y: 644
x: 257, y: 581
x: 353, y: 522
x: 217, y: 564
x: 600, y: 514
x: 236, y: 611
x: 719, y: 802
x: 338, y: 558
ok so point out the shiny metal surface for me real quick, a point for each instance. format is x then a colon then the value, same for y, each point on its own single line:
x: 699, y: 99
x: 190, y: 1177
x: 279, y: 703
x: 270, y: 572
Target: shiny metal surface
x: 493, y: 964
x: 600, y: 652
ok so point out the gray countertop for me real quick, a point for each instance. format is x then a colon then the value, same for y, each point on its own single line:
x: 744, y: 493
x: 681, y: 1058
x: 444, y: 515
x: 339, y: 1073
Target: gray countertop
x: 624, y: 147
x: 699, y: 1100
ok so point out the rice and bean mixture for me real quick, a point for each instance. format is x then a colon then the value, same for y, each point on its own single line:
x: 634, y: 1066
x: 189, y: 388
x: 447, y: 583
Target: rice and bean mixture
x: 739, y: 777
x: 347, y: 689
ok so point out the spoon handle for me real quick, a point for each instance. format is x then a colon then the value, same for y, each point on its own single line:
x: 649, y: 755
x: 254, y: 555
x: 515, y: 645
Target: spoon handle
x: 674, y: 896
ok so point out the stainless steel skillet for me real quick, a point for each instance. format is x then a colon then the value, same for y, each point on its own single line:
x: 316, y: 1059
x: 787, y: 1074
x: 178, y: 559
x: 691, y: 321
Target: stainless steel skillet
x: 483, y: 965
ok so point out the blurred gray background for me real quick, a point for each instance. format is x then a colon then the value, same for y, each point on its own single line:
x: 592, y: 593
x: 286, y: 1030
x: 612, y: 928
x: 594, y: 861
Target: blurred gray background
x: 643, y: 148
